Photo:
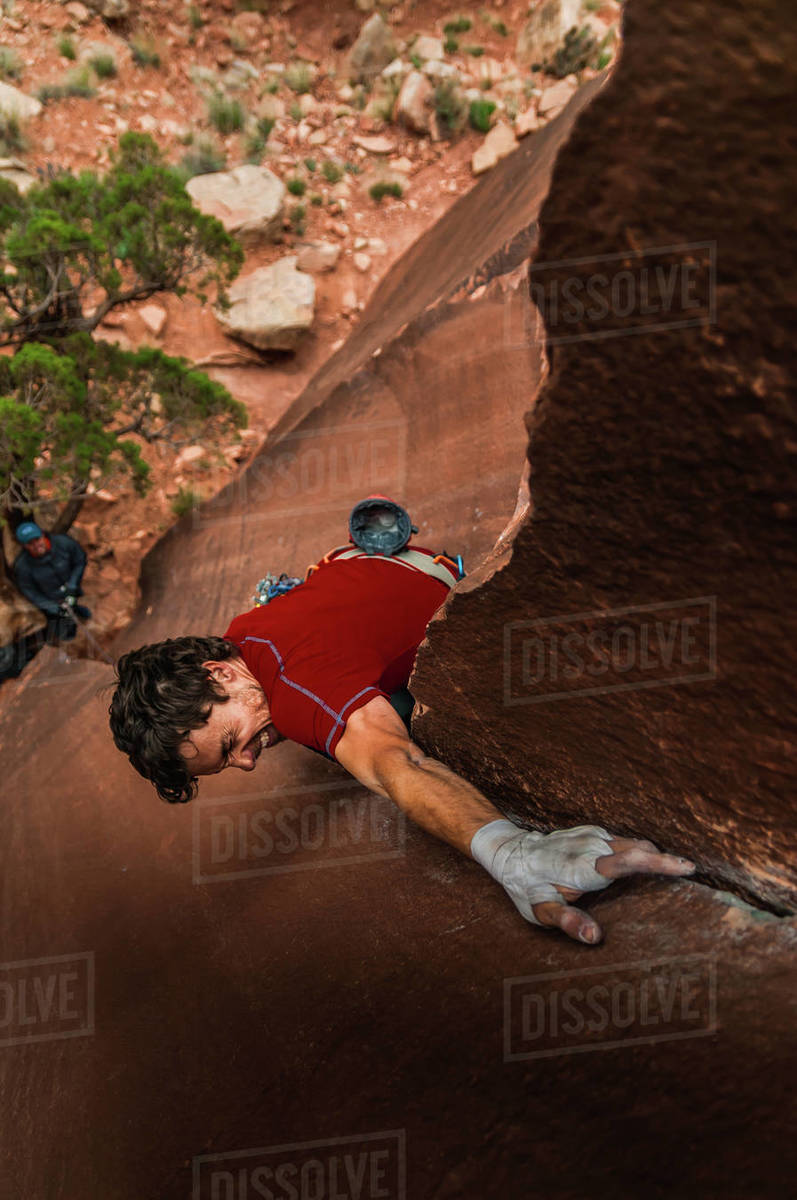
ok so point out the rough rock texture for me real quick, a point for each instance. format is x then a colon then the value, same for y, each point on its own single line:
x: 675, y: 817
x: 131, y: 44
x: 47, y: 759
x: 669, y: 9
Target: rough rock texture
x: 499, y: 142
x: 272, y: 307
x: 662, y: 475
x: 248, y: 200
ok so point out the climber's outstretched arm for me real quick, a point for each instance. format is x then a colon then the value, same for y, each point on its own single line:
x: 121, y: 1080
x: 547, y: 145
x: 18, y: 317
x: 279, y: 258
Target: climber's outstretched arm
x: 539, y: 872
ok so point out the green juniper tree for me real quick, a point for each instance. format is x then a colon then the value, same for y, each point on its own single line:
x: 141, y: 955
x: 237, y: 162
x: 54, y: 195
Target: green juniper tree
x: 71, y: 250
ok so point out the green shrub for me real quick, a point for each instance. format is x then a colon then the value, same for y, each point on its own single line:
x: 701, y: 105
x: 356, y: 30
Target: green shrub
x: 353, y: 168
x: 144, y: 53
x: 480, y: 114
x: 10, y: 63
x: 316, y: 199
x: 296, y: 187
x: 104, y: 65
x: 225, y: 114
x: 298, y: 77
x: 475, y: 51
x: 459, y: 25
x: 297, y: 216
x: 451, y: 45
x: 450, y: 106
x: 203, y: 159
x: 331, y: 171
x: 195, y: 18
x: 185, y: 501
x: 66, y: 47
x: 311, y: 165
x: 295, y: 111
x: 603, y: 60
x: 385, y: 188
x: 416, y: 61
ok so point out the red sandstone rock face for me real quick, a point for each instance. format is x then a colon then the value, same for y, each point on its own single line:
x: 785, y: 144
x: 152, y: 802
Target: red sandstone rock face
x: 662, y: 476
x: 294, y: 1007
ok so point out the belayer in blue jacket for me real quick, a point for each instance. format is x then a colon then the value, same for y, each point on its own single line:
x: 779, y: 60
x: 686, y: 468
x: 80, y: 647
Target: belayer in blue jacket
x: 48, y: 571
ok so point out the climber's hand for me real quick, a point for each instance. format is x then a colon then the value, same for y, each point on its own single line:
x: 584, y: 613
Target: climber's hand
x: 542, y: 873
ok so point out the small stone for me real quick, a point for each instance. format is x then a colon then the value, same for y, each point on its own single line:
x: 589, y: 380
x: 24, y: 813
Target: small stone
x: 554, y: 99
x: 317, y: 257
x: 318, y: 137
x: 414, y: 102
x: 499, y: 142
x: 78, y: 12
x: 188, y: 457
x: 272, y: 308
x: 372, y: 51
x: 376, y: 144
x: 362, y: 262
x: 15, y: 103
x: 428, y: 47
x: 527, y: 122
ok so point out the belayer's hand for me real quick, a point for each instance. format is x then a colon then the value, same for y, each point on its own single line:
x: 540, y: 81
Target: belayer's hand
x: 542, y: 873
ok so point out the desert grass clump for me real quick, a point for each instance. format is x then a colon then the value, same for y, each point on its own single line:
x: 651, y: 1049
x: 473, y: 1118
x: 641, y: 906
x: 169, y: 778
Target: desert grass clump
x: 66, y: 47
x: 331, y: 171
x: 103, y: 65
x: 385, y: 187
x: 226, y: 115
x: 10, y: 63
x: 203, y: 158
x: 298, y: 77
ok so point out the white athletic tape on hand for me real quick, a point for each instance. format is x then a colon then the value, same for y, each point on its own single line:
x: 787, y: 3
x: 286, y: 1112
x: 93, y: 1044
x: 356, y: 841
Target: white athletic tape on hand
x: 528, y: 865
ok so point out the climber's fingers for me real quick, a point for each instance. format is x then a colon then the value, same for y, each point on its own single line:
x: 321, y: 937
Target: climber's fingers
x: 576, y: 923
x: 632, y: 856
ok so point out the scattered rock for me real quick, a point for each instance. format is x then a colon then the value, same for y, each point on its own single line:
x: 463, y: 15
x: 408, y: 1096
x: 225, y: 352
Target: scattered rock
x: 248, y: 200
x: 271, y: 107
x: 249, y: 27
x: 427, y: 47
x: 272, y: 307
x: 499, y: 142
x: 154, y: 317
x: 545, y: 30
x: 553, y: 99
x: 362, y: 261
x: 372, y: 51
x: 16, y: 172
x: 318, y: 257
x: 414, y: 103
x: 188, y: 457
x: 376, y: 144
x: 15, y: 103
x: 527, y: 122
x: 318, y: 137
x: 78, y: 12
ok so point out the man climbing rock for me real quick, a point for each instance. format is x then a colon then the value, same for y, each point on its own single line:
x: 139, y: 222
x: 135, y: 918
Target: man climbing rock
x: 325, y: 664
x: 48, y: 571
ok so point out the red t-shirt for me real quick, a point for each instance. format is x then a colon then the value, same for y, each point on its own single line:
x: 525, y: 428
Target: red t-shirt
x: 347, y: 634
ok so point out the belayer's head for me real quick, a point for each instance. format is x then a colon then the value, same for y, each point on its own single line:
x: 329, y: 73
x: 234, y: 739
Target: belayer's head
x: 35, y: 541
x: 187, y: 707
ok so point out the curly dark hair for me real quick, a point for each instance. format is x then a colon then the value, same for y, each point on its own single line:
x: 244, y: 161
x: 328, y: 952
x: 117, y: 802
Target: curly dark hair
x: 163, y: 693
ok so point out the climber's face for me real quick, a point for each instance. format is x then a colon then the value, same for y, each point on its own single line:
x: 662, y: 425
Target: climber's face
x: 237, y: 730
x: 38, y: 546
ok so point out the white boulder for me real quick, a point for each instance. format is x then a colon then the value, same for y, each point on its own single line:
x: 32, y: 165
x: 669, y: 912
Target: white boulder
x: 248, y: 200
x: 272, y: 307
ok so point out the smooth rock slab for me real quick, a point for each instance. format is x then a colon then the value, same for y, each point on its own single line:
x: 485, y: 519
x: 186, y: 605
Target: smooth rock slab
x: 248, y: 200
x: 271, y: 308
